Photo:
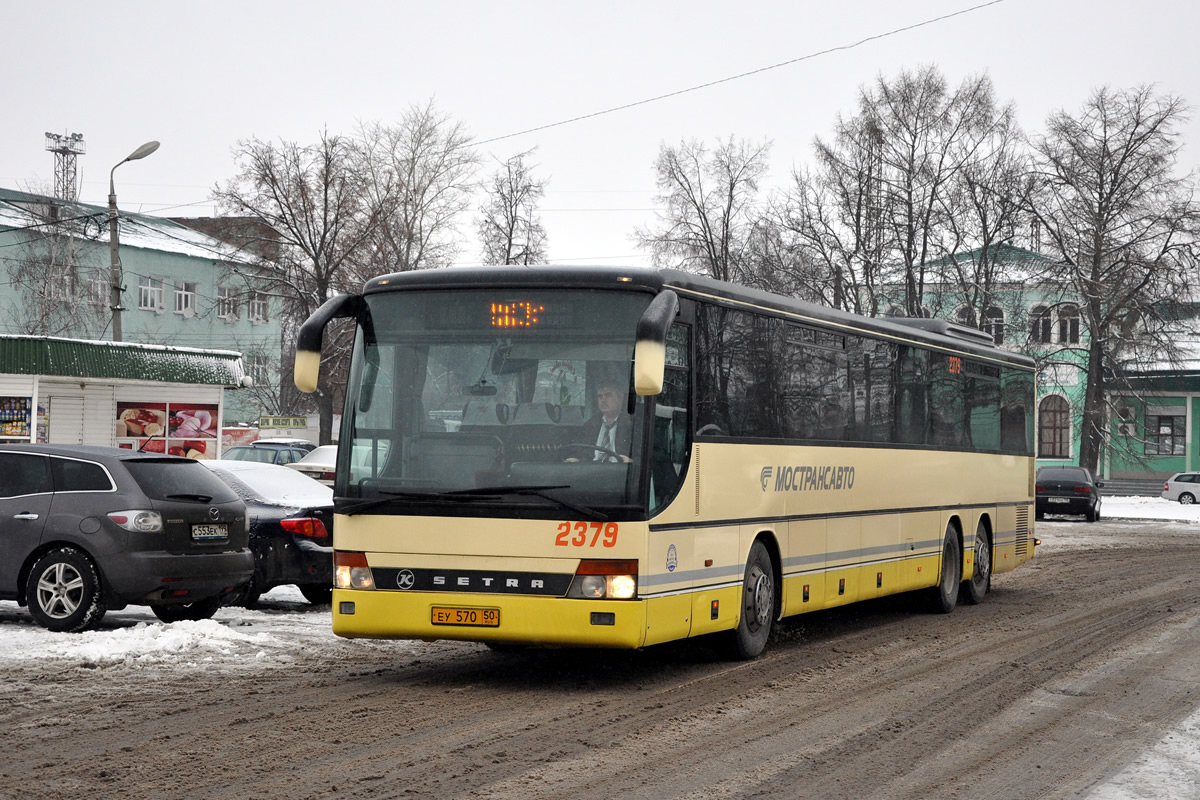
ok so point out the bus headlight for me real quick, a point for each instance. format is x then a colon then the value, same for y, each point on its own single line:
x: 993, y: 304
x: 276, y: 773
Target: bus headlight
x: 605, y: 579
x: 351, y: 571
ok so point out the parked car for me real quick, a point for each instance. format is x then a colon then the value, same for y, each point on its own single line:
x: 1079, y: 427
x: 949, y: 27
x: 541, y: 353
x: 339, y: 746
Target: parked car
x: 1182, y: 486
x: 291, y: 528
x: 266, y: 451
x: 319, y: 464
x: 93, y: 529
x: 1067, y: 490
x: 300, y: 444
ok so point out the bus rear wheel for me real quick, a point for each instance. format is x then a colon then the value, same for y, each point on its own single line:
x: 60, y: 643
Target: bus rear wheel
x: 758, y: 604
x: 974, y: 590
x: 945, y: 594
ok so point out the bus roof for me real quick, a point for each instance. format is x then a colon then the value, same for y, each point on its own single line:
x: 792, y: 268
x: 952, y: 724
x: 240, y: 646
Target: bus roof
x: 930, y: 332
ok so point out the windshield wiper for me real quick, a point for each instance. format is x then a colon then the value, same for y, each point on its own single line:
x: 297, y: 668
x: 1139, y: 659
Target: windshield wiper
x: 392, y: 497
x: 536, y: 491
x: 482, y: 493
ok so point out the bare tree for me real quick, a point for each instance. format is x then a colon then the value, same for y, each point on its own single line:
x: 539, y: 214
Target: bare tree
x: 711, y: 208
x: 419, y: 175
x: 873, y: 213
x: 56, y: 270
x: 315, y: 199
x: 1123, y: 224
x: 510, y: 229
x: 985, y: 206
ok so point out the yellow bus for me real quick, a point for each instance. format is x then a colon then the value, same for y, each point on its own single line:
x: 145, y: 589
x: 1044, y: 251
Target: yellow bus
x: 603, y: 457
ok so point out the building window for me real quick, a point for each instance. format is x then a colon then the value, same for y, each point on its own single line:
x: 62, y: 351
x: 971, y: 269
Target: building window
x: 185, y: 298
x: 259, y: 307
x: 99, y: 288
x: 259, y: 369
x: 1039, y: 325
x: 1054, y: 428
x: 150, y: 293
x: 227, y: 303
x: 1165, y: 435
x: 993, y: 323
x: 1068, y: 324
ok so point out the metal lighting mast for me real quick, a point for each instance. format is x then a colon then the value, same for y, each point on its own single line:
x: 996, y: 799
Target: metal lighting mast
x: 65, y: 149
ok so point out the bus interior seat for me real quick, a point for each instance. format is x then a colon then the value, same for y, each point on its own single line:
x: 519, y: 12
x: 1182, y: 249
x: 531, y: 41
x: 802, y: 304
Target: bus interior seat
x: 484, y: 415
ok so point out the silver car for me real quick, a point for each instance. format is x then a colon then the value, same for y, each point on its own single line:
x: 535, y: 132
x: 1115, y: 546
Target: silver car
x: 1182, y: 486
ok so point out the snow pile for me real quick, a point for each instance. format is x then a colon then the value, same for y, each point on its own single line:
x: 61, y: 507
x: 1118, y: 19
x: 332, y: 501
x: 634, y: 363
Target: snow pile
x: 146, y: 643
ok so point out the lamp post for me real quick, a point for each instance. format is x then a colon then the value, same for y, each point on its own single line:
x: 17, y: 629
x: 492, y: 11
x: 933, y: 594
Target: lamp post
x: 114, y: 244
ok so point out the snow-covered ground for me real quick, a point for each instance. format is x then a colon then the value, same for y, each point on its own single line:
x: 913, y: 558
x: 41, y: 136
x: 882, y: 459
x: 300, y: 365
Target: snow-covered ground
x: 271, y: 636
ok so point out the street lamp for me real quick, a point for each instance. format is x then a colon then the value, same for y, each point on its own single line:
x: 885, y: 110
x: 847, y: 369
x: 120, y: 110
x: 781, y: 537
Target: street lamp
x: 113, y: 241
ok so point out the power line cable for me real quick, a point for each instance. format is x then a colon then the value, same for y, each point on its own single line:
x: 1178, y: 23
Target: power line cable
x: 739, y: 76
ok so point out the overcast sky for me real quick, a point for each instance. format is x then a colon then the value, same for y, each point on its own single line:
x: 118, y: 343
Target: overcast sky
x: 200, y: 76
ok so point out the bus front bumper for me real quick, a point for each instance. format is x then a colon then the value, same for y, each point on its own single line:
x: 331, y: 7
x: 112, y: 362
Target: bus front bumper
x: 546, y: 621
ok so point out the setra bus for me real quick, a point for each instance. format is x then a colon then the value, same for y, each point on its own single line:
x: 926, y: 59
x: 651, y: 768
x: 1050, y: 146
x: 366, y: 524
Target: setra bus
x: 769, y: 457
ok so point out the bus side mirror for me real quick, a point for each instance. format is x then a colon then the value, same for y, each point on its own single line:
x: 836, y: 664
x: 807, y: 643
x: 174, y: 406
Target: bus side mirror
x: 650, y: 351
x: 308, y: 343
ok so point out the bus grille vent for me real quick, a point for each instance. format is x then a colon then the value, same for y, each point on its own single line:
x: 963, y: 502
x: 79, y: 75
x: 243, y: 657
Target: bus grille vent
x: 1022, y: 531
x: 696, y: 458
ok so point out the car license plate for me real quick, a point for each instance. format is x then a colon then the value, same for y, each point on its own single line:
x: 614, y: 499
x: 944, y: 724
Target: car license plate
x: 1058, y: 499
x: 205, y: 532
x: 478, y: 617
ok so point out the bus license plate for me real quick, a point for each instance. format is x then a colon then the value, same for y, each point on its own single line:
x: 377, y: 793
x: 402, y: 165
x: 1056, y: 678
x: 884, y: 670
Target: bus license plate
x: 478, y: 617
x: 205, y: 532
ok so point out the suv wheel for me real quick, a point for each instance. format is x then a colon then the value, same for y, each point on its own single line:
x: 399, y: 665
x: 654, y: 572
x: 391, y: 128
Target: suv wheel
x: 63, y: 591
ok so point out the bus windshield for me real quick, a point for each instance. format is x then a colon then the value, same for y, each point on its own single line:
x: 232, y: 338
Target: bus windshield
x: 494, y: 402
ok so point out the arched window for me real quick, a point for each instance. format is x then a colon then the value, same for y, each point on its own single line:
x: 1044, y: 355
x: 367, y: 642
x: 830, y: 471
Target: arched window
x: 993, y: 323
x: 1039, y: 324
x: 963, y: 315
x: 1054, y: 428
x: 1068, y: 324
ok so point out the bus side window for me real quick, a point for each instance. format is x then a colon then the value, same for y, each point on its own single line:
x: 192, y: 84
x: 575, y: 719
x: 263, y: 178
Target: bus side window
x: 669, y: 449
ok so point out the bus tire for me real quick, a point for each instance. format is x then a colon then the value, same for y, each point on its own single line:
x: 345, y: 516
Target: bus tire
x: 945, y: 594
x: 758, y: 604
x: 974, y: 590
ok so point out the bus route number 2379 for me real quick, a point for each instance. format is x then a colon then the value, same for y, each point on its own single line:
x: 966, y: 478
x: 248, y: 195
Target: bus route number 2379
x: 586, y: 534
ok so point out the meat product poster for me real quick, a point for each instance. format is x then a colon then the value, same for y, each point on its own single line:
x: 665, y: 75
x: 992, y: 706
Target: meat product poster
x: 178, y: 429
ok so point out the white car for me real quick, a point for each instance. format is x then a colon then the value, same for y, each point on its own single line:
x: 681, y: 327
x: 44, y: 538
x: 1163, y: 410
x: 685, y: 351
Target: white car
x: 319, y: 464
x: 1182, y: 486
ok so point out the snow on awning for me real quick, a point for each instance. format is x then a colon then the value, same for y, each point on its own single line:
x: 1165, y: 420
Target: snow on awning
x: 78, y: 358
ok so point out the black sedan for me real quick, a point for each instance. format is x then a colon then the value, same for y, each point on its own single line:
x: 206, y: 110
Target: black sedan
x: 1067, y: 490
x: 291, y: 528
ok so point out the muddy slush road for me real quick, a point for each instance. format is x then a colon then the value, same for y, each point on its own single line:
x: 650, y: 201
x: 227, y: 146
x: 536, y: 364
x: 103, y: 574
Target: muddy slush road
x: 1073, y: 665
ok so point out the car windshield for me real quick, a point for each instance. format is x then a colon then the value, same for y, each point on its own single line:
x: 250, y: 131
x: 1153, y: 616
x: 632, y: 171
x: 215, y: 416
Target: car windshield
x: 1063, y: 474
x: 263, y: 455
x: 503, y: 391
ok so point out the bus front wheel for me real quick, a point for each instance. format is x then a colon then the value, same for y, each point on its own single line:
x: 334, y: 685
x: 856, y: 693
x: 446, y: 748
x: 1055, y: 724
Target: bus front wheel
x: 758, y: 604
x: 945, y: 594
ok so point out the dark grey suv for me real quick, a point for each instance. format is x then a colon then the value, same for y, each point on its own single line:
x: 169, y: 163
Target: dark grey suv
x: 87, y: 529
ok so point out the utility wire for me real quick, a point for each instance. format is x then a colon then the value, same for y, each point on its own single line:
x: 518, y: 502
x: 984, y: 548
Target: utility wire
x: 739, y: 76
